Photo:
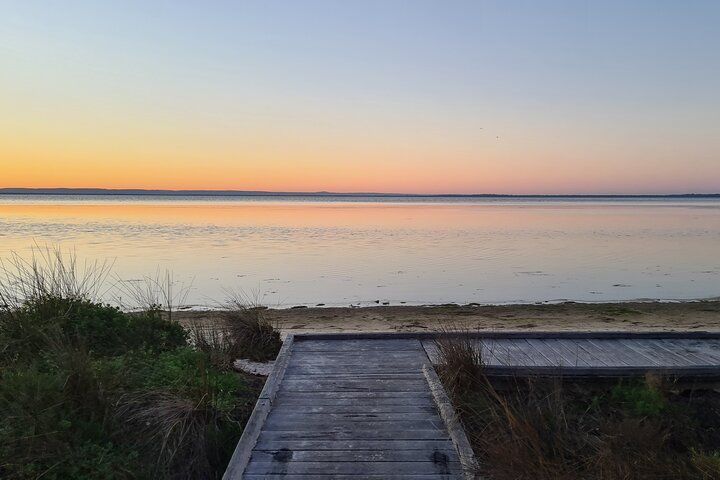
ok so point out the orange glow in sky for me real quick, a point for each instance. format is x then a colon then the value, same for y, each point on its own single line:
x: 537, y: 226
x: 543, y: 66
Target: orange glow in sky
x: 486, y: 97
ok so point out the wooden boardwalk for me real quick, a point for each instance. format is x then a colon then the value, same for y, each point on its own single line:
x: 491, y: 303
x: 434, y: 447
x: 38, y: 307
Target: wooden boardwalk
x: 595, y: 354
x: 355, y: 408
x: 370, y: 406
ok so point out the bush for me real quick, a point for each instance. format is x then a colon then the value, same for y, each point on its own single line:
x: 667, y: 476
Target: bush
x: 152, y: 332
x: 88, y: 391
x: 46, y: 432
x: 250, y: 335
x: 102, y: 329
x: 639, y: 400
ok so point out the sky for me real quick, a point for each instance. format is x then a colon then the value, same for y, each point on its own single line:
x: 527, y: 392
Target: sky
x: 416, y: 96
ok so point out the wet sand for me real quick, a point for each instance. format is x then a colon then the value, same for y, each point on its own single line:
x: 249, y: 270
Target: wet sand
x: 630, y: 316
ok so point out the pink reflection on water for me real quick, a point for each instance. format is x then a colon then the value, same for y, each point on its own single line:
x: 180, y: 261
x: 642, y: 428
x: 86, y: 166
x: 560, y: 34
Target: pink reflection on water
x: 330, y: 252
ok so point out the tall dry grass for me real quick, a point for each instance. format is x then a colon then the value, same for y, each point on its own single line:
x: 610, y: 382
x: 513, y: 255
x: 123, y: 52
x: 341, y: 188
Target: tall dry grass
x: 241, y: 332
x: 160, y: 294
x: 551, y: 428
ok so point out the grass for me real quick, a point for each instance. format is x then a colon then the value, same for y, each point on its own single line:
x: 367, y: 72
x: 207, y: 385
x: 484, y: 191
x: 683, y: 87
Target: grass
x: 88, y: 391
x: 558, y: 428
x: 242, y: 332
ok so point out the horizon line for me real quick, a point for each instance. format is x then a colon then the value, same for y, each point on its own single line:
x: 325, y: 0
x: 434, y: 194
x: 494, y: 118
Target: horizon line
x: 209, y: 192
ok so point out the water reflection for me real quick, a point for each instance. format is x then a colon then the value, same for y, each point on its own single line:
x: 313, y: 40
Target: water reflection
x: 301, y: 252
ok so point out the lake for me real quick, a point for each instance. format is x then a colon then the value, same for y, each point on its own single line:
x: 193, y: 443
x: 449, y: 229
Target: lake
x: 286, y: 251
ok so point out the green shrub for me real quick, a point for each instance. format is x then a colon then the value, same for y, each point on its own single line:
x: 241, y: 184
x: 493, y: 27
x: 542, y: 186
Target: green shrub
x: 101, y: 329
x: 188, y: 372
x: 88, y: 391
x: 45, y: 432
x: 639, y: 400
x: 151, y: 331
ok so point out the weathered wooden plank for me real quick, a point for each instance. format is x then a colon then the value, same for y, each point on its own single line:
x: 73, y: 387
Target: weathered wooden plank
x: 623, y: 357
x: 572, y: 349
x: 674, y: 353
x: 356, y: 385
x: 282, y: 476
x: 659, y: 357
x: 367, y: 346
x: 283, y: 417
x: 569, y: 353
x: 593, y: 355
x: 533, y: 352
x: 349, y: 365
x: 410, y: 343
x: 366, y: 434
x: 545, y: 355
x: 351, y: 455
x: 503, y: 352
x: 297, y: 373
x: 624, y: 354
x: 347, y: 399
x: 393, y: 445
x: 368, y: 362
x: 441, y: 467
x: 300, y: 401
x: 350, y: 379
x: 706, y: 354
x: 345, y: 367
x: 631, y: 345
x: 363, y: 408
x: 587, y: 352
x: 494, y: 352
x: 705, y: 349
x: 358, y: 397
x: 321, y: 425
x: 356, y: 354
x: 339, y: 369
x: 431, y: 350
x: 406, y: 388
x: 487, y: 334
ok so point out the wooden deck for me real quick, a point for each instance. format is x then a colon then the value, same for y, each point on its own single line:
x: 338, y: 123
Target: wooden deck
x: 596, y: 354
x: 370, y: 406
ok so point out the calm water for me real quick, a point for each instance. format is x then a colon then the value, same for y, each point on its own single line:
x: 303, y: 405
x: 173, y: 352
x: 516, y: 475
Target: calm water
x: 292, y: 251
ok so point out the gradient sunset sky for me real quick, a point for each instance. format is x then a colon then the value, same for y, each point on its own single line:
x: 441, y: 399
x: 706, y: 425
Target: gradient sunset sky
x: 347, y: 96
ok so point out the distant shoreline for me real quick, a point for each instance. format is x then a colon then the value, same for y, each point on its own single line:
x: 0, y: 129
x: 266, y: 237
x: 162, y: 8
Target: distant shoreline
x: 259, y: 193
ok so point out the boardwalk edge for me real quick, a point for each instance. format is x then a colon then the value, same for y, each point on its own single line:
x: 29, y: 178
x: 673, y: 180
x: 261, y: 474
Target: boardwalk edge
x: 243, y: 450
x: 452, y: 423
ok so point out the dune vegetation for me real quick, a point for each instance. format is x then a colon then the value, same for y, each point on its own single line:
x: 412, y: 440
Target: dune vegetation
x: 90, y: 391
x: 554, y: 428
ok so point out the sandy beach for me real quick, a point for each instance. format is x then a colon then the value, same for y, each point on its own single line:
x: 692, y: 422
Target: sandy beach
x: 635, y: 316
